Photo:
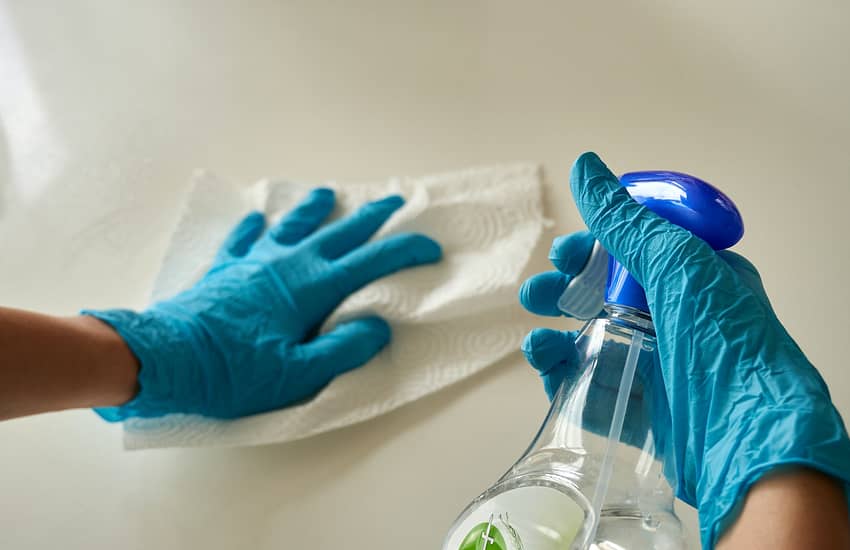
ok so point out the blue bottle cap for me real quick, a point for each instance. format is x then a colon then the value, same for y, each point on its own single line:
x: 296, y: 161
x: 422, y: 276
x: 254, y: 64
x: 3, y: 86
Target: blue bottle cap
x: 688, y: 202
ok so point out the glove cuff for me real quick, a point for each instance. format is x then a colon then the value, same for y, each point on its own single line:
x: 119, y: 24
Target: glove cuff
x: 156, y: 339
x: 813, y: 436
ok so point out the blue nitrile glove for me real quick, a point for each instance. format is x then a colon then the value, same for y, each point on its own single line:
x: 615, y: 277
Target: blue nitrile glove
x: 552, y: 352
x: 744, y: 399
x: 243, y: 339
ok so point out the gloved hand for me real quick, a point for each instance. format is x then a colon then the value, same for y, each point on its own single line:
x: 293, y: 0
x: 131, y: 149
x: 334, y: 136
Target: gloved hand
x: 744, y: 398
x: 243, y: 339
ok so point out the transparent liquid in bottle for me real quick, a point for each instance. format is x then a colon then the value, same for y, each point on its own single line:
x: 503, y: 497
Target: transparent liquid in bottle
x: 551, y: 498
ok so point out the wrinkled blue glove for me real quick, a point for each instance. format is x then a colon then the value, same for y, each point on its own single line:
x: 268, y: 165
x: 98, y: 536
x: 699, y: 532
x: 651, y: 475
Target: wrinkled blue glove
x: 743, y: 397
x: 243, y: 339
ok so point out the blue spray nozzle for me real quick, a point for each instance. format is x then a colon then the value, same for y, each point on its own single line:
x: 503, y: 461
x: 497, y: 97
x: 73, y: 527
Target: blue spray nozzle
x: 685, y: 200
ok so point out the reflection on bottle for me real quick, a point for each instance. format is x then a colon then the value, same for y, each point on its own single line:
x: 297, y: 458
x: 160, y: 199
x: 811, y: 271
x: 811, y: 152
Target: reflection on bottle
x: 511, y: 531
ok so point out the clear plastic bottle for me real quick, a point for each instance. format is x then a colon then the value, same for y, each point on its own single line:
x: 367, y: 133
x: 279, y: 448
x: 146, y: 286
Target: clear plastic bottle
x: 594, y: 475
x: 573, y: 473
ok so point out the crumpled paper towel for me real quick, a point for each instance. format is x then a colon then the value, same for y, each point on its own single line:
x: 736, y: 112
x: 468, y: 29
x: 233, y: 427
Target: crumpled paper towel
x: 449, y: 320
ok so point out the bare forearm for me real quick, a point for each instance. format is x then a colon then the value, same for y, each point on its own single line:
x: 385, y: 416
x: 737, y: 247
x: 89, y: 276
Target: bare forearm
x: 795, y: 509
x: 53, y: 363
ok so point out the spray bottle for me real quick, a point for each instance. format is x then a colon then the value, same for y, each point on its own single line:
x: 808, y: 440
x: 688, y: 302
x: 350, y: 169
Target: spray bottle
x: 598, y: 473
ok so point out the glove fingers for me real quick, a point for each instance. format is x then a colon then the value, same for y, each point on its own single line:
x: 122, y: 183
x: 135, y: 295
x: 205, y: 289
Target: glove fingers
x: 348, y: 233
x: 553, y: 354
x: 304, y: 218
x: 348, y: 346
x: 569, y: 253
x: 647, y: 245
x: 242, y: 237
x: 539, y: 294
x: 383, y: 257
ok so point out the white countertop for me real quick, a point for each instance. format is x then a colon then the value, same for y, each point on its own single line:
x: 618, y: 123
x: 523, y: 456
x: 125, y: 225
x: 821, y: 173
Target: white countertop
x: 107, y: 107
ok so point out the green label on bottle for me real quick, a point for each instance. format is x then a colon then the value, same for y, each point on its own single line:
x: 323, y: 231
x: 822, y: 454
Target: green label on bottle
x: 484, y: 536
x: 525, y: 518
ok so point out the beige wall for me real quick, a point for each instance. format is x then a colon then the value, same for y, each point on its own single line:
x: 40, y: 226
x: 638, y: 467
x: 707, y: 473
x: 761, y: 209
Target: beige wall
x: 106, y: 109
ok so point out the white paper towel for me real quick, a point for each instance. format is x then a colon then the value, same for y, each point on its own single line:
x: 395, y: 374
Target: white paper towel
x: 449, y: 319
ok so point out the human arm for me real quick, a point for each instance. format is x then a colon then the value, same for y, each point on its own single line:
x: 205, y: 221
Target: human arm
x: 52, y: 363
x: 789, y: 510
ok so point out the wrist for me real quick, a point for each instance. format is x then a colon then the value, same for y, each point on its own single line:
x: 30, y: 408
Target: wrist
x: 163, y: 339
x: 112, y: 380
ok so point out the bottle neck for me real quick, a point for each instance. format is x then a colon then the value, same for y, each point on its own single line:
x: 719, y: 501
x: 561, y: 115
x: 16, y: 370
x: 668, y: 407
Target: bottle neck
x: 629, y: 317
x: 575, y: 440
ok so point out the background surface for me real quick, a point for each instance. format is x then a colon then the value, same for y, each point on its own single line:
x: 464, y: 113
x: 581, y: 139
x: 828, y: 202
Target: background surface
x: 106, y: 107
